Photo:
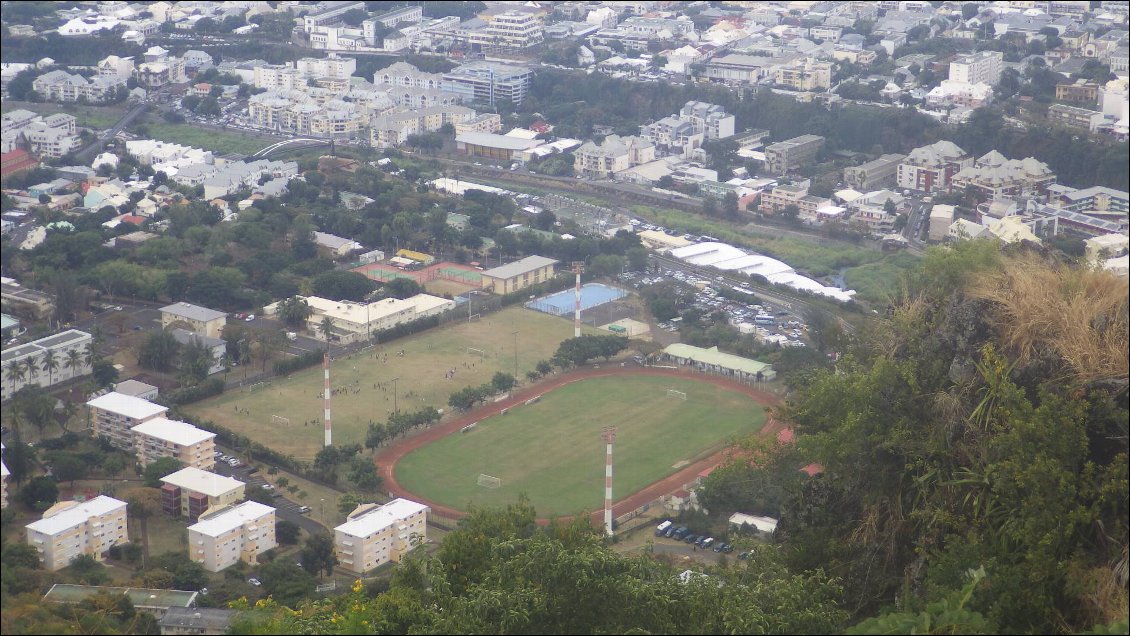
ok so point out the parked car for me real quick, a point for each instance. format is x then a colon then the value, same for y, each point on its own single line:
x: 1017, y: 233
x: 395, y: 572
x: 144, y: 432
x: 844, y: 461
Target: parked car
x: 268, y: 487
x: 255, y: 582
x: 304, y: 509
x: 249, y: 317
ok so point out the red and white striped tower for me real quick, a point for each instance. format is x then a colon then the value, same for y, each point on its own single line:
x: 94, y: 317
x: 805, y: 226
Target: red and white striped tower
x: 578, y: 269
x: 609, y: 434
x: 326, y: 372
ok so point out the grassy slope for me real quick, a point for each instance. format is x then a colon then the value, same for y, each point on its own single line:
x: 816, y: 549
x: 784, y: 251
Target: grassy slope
x: 553, y: 451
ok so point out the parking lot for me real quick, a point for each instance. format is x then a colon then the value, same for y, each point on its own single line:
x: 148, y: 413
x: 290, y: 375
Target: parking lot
x: 769, y: 323
x: 285, y: 508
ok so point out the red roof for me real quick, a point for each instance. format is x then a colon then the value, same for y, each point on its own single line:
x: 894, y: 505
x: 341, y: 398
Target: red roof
x: 133, y: 218
x: 813, y: 469
x: 15, y: 161
x: 785, y: 436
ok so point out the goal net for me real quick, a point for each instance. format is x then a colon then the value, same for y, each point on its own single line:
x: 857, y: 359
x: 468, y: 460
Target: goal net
x: 672, y: 393
x: 278, y: 420
x: 486, y: 481
x: 476, y: 352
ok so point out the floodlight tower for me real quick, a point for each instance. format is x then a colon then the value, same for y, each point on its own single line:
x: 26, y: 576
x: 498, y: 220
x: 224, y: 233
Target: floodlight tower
x: 609, y: 434
x: 578, y: 269
x: 326, y: 394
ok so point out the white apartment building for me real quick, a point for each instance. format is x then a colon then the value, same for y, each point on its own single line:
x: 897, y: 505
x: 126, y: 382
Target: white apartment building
x: 805, y: 75
x: 114, y: 414
x: 975, y: 68
x: 613, y: 155
x: 709, y: 119
x: 237, y: 533
x: 52, y: 136
x: 116, y: 66
x: 373, y: 534
x: 328, y: 12
x: 160, y: 437
x: 61, y: 86
x: 392, y: 128
x: 70, y: 529
x: 333, y: 66
x: 404, y: 74
x: 507, y: 32
x: 45, y: 362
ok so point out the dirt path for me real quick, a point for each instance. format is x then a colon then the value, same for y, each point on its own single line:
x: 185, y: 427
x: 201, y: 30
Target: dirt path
x: 388, y: 457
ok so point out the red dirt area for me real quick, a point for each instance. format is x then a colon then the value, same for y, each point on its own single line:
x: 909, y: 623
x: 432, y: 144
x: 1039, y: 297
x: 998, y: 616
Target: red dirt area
x: 390, y: 455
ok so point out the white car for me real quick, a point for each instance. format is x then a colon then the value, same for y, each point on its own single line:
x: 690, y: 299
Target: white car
x: 249, y: 318
x: 268, y: 487
x: 255, y: 582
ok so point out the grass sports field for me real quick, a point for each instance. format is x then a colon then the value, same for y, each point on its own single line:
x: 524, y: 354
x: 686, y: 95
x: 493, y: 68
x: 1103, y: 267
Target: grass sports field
x: 552, y: 450
x: 421, y: 380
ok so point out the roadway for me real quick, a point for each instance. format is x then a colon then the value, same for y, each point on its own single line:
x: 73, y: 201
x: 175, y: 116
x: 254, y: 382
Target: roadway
x: 86, y: 154
x: 284, y: 508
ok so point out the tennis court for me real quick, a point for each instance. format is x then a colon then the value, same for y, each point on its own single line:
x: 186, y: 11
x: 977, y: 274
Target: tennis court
x: 564, y: 302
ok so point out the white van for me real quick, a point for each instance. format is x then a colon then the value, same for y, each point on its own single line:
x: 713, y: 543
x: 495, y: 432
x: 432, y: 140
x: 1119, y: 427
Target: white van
x: 661, y: 528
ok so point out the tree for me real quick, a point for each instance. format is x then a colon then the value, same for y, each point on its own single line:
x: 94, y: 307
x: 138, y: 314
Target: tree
x: 158, y: 468
x: 39, y: 493
x: 342, y: 285
x: 326, y: 327
x: 294, y: 311
x: 255, y: 492
x: 401, y: 288
x: 159, y: 351
x: 69, y: 468
x: 376, y: 435
x: 607, y: 265
x: 348, y: 502
x: 318, y: 555
x: 502, y: 382
x: 363, y: 473
x: 286, y: 532
x: 285, y: 582
x: 144, y: 503
x: 20, y: 555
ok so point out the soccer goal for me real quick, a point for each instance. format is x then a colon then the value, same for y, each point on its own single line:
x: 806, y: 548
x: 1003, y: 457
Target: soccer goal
x: 486, y: 481
x: 672, y: 393
x: 278, y: 420
x: 476, y: 352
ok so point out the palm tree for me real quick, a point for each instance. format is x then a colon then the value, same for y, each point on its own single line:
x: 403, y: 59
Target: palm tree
x: 50, y: 362
x: 89, y: 354
x: 15, y: 373
x: 326, y: 326
x: 31, y: 365
x: 73, y: 361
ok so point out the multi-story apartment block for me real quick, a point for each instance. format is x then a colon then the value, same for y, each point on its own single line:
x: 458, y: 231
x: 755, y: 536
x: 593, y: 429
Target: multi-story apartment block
x: 997, y: 177
x: 52, y: 136
x: 237, y: 533
x: 709, y: 119
x: 878, y: 173
x: 489, y: 82
x: 404, y: 74
x: 161, y: 437
x: 193, y: 493
x: 672, y: 132
x: 871, y: 213
x: 483, y: 122
x: 614, y: 154
x: 392, y: 128
x: 194, y: 318
x: 71, y: 529
x: 45, y: 362
x: 114, y: 415
x: 275, y: 77
x: 776, y: 200
x: 160, y: 68
x: 61, y: 86
x: 1074, y: 116
x: 931, y: 168
x: 507, y: 32
x: 975, y: 68
x: 805, y: 75
x: 373, y: 534
x: 334, y: 66
x: 116, y: 66
x: 791, y: 154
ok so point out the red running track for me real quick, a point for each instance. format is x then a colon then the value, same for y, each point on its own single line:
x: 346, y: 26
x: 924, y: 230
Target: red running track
x: 390, y: 455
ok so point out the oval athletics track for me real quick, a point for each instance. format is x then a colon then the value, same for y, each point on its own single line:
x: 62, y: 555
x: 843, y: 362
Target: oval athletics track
x: 390, y: 455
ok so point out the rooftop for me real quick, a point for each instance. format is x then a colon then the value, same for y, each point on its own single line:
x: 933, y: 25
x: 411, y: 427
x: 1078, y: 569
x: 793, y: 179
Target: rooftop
x: 528, y: 264
x: 58, y: 519
x: 132, y: 407
x: 180, y: 433
x: 230, y: 518
x: 718, y: 358
x: 133, y: 388
x: 380, y: 518
x: 141, y: 597
x: 202, y: 481
x: 192, y: 312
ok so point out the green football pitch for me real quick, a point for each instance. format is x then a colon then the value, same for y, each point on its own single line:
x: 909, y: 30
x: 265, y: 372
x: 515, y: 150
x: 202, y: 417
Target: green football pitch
x: 553, y: 452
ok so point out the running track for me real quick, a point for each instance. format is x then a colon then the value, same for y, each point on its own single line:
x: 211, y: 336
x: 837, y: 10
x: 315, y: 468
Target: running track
x: 390, y: 455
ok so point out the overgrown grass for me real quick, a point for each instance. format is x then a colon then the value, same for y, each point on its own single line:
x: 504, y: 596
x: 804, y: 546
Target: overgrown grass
x: 878, y: 282
x: 86, y: 116
x: 217, y: 141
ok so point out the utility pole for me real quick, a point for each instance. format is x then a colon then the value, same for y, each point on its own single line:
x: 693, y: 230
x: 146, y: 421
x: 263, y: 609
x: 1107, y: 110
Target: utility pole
x: 578, y: 269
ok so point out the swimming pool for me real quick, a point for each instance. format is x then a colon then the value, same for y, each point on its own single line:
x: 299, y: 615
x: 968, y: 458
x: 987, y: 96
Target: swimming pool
x: 564, y: 302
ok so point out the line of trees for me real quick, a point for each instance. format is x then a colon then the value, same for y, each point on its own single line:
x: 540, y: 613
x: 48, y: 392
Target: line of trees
x: 468, y: 397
